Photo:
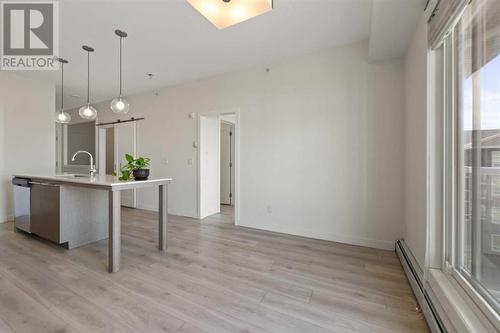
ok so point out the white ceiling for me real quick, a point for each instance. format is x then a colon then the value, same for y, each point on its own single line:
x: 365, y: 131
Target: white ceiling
x: 392, y: 26
x: 172, y: 40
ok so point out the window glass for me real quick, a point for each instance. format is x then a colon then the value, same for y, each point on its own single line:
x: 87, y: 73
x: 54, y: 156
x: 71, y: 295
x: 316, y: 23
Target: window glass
x: 477, y: 43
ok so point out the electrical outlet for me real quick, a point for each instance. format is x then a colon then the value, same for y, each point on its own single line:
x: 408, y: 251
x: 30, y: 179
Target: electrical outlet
x: 269, y: 209
x: 190, y: 161
x: 164, y: 161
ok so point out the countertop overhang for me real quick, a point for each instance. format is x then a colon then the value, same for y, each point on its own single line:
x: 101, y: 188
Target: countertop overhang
x: 103, y: 182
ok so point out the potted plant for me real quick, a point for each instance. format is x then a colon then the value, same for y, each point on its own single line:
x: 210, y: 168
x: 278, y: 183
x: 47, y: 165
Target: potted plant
x: 139, y: 168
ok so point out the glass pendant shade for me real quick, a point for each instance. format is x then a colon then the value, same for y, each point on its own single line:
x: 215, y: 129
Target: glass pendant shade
x: 87, y: 112
x: 119, y: 105
x: 63, y: 117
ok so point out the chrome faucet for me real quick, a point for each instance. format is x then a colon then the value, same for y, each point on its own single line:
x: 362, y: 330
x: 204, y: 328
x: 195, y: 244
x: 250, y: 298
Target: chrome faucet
x: 93, y: 170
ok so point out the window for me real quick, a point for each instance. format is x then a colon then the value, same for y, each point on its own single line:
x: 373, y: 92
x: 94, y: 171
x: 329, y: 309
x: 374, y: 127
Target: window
x: 472, y: 58
x: 495, y: 158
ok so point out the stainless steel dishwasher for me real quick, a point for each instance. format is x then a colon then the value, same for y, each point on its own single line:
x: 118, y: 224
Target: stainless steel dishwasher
x: 45, y: 212
x: 22, y: 203
x: 36, y: 208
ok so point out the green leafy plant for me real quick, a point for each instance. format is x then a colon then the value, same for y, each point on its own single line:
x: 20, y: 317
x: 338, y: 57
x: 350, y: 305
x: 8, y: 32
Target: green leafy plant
x: 140, y: 163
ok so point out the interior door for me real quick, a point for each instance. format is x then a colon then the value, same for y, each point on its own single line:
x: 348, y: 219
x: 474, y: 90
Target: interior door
x: 125, y: 143
x: 209, y: 150
x: 227, y: 164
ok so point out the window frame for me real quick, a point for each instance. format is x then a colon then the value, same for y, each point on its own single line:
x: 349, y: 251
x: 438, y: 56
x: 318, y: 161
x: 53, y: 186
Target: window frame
x: 452, y: 179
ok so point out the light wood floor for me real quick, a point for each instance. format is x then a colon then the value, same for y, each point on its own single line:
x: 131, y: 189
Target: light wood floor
x: 215, y: 278
x: 225, y: 218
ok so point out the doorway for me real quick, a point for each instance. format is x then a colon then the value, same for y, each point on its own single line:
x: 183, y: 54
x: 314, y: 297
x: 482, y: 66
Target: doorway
x: 218, y: 167
x: 227, y: 151
x: 114, y: 142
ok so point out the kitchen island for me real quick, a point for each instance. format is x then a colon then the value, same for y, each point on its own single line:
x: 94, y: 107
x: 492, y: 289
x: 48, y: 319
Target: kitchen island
x: 86, y: 205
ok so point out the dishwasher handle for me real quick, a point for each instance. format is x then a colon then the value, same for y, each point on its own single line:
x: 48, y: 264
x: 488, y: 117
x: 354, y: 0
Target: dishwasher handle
x: 42, y: 184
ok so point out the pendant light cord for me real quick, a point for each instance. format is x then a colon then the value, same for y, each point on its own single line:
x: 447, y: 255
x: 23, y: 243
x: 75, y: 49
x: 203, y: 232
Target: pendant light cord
x: 62, y: 87
x: 88, y: 77
x: 121, y: 66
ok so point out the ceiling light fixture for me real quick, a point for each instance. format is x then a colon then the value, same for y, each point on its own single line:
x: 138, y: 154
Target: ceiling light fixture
x: 87, y: 111
x: 61, y: 116
x: 120, y: 105
x: 224, y: 13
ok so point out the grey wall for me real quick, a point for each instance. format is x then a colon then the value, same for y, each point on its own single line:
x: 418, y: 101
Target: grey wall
x: 81, y: 137
x: 110, y: 151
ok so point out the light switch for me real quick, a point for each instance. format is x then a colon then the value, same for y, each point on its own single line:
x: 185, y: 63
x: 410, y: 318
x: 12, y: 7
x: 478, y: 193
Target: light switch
x: 190, y: 161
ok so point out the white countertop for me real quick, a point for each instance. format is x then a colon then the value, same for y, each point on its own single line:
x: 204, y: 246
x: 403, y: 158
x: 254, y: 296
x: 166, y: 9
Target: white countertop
x: 108, y: 182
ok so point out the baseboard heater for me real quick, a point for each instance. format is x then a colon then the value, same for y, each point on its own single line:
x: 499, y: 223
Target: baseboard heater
x: 410, y: 267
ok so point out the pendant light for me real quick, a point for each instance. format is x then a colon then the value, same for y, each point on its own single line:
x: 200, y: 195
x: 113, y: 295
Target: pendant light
x: 120, y: 105
x: 61, y: 116
x: 87, y: 111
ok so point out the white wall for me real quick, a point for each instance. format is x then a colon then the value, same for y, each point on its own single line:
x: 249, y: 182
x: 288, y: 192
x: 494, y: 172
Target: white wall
x: 229, y: 118
x: 321, y: 144
x: 27, y: 131
x: 416, y: 143
x: 5, y: 213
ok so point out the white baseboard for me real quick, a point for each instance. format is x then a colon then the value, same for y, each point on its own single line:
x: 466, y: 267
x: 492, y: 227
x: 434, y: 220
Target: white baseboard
x: 333, y: 237
x: 8, y: 218
x: 170, y: 212
x: 147, y: 207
